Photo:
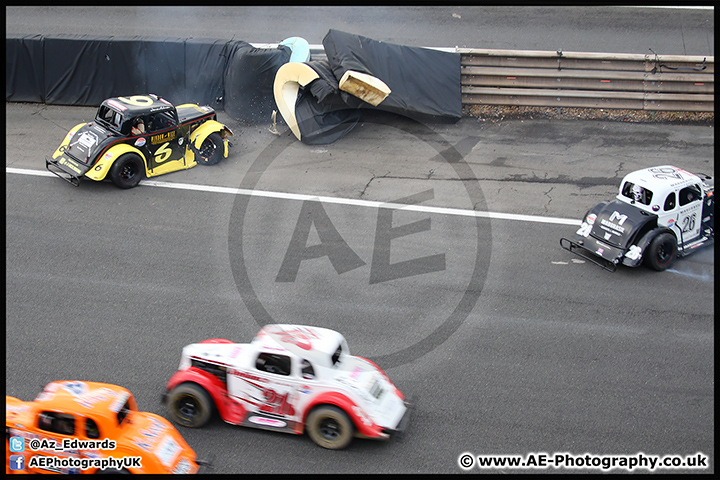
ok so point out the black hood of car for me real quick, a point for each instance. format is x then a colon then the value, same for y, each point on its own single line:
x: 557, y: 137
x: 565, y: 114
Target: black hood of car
x: 617, y: 223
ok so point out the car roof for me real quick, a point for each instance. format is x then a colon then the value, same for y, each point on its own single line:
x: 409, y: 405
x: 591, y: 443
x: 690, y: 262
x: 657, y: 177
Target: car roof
x: 83, y: 398
x: 316, y: 344
x: 662, y: 179
x: 138, y: 104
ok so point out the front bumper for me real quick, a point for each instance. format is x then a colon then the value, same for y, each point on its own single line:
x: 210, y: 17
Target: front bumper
x: 205, y: 464
x: 405, y: 420
x: 402, y: 426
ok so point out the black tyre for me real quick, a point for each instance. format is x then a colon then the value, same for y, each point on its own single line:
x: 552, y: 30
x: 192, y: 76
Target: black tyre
x: 330, y: 427
x: 189, y: 405
x: 127, y: 171
x: 212, y: 150
x: 662, y: 251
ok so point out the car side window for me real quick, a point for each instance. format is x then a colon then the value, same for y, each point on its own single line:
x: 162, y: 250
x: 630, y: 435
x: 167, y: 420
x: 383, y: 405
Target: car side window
x: 336, y: 356
x: 306, y: 370
x: 123, y: 412
x: 91, y: 429
x: 160, y: 121
x: 273, y: 363
x: 689, y: 194
x: 62, y: 423
x: 670, y: 202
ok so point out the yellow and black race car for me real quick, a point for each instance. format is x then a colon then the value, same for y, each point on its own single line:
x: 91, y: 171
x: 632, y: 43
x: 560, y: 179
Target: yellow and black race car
x: 140, y: 136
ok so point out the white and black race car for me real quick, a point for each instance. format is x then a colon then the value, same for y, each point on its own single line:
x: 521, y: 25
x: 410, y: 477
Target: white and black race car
x: 660, y: 213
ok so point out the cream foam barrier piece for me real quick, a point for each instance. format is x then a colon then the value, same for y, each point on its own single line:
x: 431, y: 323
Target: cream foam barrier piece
x: 291, y: 76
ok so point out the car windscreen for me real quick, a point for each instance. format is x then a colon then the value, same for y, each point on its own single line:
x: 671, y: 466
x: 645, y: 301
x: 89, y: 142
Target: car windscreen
x: 637, y: 193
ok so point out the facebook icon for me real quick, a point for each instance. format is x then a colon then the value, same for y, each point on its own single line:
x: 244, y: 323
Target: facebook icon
x: 17, y: 444
x: 17, y: 462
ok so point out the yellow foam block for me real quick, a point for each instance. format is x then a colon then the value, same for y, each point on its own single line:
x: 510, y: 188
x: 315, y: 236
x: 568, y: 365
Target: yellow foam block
x: 366, y: 87
x: 288, y: 80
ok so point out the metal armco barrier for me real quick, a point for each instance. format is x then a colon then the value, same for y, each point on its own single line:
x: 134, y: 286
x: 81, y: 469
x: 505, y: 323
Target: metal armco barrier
x: 587, y: 80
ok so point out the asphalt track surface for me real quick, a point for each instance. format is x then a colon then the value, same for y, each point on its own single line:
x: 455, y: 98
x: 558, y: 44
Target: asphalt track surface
x: 686, y: 30
x: 510, y: 345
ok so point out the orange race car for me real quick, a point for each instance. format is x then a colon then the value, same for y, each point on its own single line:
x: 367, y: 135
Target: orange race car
x: 89, y: 427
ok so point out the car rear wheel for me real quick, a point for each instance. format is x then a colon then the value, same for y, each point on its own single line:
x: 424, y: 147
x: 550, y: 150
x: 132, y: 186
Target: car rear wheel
x: 127, y: 171
x: 662, y: 252
x: 330, y: 427
x: 189, y: 405
x: 211, y: 151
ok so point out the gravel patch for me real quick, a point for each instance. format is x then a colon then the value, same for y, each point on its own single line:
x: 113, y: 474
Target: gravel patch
x: 497, y: 113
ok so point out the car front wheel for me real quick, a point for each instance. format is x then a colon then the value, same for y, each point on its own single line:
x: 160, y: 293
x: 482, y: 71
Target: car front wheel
x: 662, y: 252
x: 211, y: 150
x: 189, y: 405
x: 330, y: 427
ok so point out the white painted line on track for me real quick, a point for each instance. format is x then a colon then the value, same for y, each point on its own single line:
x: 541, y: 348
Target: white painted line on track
x: 25, y: 171
x: 334, y: 200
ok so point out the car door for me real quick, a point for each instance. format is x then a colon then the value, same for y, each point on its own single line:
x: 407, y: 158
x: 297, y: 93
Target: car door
x: 165, y: 143
x: 689, y: 214
x: 268, y: 391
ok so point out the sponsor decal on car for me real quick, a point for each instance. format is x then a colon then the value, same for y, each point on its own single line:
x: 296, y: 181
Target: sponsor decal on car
x: 91, y: 398
x: 167, y: 451
x: 163, y: 137
x: 75, y: 388
x: 267, y: 422
x: 117, y: 105
x: 70, y: 164
x: 119, y: 402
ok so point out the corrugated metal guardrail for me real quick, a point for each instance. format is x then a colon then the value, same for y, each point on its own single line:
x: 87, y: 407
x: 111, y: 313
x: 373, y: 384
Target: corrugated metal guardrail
x: 587, y: 80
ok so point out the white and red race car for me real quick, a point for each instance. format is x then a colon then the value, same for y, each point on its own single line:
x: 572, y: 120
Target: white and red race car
x: 290, y: 378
